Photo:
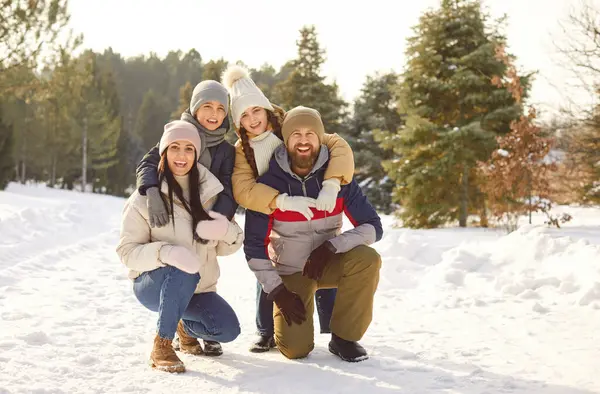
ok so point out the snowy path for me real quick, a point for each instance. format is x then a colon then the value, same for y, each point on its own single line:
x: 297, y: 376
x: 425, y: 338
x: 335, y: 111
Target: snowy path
x: 456, y: 312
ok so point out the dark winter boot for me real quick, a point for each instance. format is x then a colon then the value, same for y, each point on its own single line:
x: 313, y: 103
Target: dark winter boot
x: 347, y: 350
x: 212, y: 348
x: 264, y: 344
x: 164, y: 358
x: 186, y: 343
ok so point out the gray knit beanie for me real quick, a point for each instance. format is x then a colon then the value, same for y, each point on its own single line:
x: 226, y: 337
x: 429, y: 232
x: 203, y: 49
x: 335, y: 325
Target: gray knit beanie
x: 208, y: 90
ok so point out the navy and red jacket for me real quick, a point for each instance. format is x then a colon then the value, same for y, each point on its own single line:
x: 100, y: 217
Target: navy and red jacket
x: 280, y: 243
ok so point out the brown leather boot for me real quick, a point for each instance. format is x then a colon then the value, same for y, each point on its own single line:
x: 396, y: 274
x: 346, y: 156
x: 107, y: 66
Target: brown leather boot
x: 164, y: 358
x: 187, y: 343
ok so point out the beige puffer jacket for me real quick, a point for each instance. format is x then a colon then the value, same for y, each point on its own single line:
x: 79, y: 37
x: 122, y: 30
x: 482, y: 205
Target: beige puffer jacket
x: 139, y: 244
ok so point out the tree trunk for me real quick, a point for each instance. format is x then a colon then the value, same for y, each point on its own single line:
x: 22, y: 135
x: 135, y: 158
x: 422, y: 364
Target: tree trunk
x: 483, y: 218
x: 84, y: 158
x: 530, y: 196
x: 24, y: 155
x: 464, y: 197
x: 23, y: 172
x: 52, y: 139
x: 53, y: 171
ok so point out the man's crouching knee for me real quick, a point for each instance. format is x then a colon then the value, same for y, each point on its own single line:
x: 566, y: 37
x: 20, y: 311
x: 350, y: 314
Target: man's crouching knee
x: 295, y: 350
x: 365, y: 255
x: 371, y: 255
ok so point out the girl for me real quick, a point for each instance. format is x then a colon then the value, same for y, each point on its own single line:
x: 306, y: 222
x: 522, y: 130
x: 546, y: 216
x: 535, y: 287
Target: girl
x: 258, y: 124
x: 174, y: 268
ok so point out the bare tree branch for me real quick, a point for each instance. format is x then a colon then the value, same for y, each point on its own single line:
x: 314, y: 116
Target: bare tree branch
x: 578, y: 48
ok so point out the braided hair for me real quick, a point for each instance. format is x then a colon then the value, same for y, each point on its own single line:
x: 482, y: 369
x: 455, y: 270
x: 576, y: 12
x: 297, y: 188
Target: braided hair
x: 247, y: 148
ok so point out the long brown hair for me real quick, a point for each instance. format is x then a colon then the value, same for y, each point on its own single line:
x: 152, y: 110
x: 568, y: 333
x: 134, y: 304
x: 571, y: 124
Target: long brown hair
x: 247, y: 148
x: 194, y: 208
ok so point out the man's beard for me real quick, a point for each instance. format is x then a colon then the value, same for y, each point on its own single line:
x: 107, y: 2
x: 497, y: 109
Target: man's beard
x: 304, y: 162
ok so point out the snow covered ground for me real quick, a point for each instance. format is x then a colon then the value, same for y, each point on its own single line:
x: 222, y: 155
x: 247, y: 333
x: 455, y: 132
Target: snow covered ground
x: 457, y: 311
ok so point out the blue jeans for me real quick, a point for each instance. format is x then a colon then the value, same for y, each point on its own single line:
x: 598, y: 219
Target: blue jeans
x: 170, y: 292
x: 325, y: 298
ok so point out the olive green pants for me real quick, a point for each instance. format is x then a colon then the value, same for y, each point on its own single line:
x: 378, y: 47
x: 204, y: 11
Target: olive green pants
x: 356, y: 276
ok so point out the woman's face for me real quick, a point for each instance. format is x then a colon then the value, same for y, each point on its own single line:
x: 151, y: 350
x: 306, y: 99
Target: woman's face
x: 181, y: 157
x: 211, y: 115
x: 254, y: 120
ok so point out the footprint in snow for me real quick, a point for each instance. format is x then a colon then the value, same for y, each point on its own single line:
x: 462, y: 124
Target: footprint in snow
x: 7, y: 345
x: 15, y: 315
x: 37, y: 338
x: 540, y: 309
x: 87, y: 360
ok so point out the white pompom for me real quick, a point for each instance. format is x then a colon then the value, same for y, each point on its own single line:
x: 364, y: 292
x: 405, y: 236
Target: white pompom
x: 232, y: 74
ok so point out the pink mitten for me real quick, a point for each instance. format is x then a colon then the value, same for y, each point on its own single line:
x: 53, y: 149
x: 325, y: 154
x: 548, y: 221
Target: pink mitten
x: 213, y: 229
x: 180, y: 257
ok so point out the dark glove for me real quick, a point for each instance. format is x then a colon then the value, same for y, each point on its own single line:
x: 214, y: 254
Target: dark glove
x: 157, y: 212
x: 318, y: 259
x: 291, y: 306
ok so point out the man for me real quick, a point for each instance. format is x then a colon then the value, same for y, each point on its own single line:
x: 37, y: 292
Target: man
x: 292, y: 257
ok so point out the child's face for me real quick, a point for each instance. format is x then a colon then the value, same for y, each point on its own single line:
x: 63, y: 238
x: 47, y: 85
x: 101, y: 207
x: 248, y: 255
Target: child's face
x: 254, y: 120
x: 211, y: 115
x: 180, y: 157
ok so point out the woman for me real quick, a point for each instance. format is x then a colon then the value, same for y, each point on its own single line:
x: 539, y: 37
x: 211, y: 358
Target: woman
x: 174, y: 268
x: 258, y: 124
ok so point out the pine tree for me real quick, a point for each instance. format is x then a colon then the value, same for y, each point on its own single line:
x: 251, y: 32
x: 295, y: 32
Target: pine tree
x: 61, y: 108
x: 265, y: 78
x: 7, y: 165
x: 589, y: 148
x: 185, y: 95
x: 29, y: 29
x: 23, y: 114
x: 581, y: 169
x: 150, y: 121
x: 214, y: 69
x: 97, y: 122
x: 182, y: 68
x: 453, y: 112
x: 120, y: 175
x: 109, y: 154
x: 374, y: 110
x: 305, y: 86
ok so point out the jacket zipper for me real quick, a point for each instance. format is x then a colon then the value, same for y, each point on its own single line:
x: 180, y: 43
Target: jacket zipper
x: 312, y: 239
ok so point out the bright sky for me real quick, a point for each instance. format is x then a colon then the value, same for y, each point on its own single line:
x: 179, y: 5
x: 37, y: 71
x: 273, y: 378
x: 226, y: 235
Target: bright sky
x: 359, y: 39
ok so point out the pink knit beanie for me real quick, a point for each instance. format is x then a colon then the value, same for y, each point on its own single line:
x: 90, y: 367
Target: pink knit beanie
x: 179, y: 130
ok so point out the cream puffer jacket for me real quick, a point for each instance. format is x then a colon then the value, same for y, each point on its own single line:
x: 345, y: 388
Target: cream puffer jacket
x: 139, y: 244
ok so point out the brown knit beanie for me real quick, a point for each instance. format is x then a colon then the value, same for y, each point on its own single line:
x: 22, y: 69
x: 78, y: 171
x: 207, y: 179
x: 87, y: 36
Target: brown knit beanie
x: 302, y: 117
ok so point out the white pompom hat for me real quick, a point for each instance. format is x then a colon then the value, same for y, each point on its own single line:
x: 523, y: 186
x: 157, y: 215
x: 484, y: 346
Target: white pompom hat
x: 243, y: 91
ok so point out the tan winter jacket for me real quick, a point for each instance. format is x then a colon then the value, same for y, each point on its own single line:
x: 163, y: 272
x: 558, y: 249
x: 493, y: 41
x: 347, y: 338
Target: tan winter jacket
x: 139, y: 244
x: 261, y: 198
